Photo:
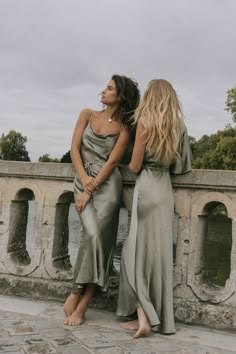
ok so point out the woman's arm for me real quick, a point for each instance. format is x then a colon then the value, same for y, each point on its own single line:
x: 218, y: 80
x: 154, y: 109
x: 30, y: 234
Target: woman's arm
x: 114, y: 158
x: 87, y: 181
x: 138, y: 151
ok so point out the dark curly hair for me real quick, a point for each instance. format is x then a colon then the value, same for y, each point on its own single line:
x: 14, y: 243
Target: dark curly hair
x: 129, y: 94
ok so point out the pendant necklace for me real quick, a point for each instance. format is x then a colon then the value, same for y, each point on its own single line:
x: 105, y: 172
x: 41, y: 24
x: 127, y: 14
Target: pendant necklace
x: 109, y: 118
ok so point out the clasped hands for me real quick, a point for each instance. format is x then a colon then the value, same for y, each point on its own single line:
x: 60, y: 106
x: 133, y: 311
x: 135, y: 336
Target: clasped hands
x: 90, y: 185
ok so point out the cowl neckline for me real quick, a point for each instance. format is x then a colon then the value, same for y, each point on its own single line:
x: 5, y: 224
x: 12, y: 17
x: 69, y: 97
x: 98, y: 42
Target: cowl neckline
x: 101, y: 135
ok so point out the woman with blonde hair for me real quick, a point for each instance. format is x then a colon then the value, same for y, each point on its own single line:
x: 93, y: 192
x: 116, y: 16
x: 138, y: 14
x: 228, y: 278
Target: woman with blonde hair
x: 161, y: 147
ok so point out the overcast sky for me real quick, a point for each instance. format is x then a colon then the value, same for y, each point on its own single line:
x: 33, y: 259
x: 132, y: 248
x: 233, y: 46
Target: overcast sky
x: 57, y: 55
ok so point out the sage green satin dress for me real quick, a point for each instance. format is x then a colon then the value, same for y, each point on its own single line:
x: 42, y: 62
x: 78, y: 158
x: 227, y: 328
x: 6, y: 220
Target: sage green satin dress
x: 100, y: 218
x: 146, y: 276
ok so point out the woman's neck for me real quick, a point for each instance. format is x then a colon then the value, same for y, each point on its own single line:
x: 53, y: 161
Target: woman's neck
x: 110, y: 110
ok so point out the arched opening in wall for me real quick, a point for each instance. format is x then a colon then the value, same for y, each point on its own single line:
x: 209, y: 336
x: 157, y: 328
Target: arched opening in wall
x: 175, y: 235
x: 74, y: 233
x: 123, y: 230
x: 60, y: 249
x: 21, y: 243
x: 217, y: 245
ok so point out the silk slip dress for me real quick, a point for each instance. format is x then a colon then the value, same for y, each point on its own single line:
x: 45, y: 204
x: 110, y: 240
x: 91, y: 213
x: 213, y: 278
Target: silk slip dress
x: 100, y: 218
x: 146, y: 276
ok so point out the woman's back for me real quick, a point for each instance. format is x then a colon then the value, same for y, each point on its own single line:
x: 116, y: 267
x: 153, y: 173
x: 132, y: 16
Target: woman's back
x: 183, y: 158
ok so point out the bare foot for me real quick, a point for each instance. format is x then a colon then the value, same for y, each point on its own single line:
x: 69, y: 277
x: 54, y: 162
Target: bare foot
x: 144, y: 327
x: 130, y: 326
x: 143, y: 331
x: 76, y: 319
x: 71, y: 304
x: 78, y: 316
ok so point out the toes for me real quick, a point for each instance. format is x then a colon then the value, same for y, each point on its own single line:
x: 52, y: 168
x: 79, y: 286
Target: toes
x: 142, y: 333
x: 136, y: 336
x: 69, y: 322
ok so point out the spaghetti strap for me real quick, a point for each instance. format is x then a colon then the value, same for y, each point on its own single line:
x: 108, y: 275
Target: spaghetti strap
x: 93, y: 113
x: 90, y: 116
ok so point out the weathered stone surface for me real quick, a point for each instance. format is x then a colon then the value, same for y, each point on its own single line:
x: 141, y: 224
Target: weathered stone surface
x: 18, y: 328
x: 63, y: 342
x: 95, y: 337
x: 39, y: 348
x: 6, y: 347
x: 100, y: 334
x: 112, y: 350
x: 77, y: 350
x: 48, y: 274
x: 55, y: 332
x: 193, y: 311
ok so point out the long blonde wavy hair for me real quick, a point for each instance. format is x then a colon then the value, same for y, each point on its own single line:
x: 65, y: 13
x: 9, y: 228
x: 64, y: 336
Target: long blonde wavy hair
x: 160, y: 114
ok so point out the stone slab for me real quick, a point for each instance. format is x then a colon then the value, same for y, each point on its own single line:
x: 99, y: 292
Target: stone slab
x: 100, y: 335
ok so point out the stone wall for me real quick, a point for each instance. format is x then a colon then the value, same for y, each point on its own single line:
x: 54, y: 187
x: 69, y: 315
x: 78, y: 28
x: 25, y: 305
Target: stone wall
x: 48, y: 273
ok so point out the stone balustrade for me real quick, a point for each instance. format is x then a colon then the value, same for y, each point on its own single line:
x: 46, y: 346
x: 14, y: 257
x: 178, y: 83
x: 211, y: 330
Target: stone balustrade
x: 47, y: 273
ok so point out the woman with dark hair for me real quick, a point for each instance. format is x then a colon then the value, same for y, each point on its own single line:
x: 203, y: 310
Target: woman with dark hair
x: 99, y: 141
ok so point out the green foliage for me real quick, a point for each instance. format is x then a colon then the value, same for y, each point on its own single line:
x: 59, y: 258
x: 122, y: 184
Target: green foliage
x: 47, y: 158
x: 231, y: 102
x: 12, y: 147
x: 217, y: 151
x: 66, y: 157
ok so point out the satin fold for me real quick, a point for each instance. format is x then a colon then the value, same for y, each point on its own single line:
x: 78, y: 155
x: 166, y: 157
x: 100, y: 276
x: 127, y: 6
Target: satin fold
x: 100, y: 217
x: 146, y: 275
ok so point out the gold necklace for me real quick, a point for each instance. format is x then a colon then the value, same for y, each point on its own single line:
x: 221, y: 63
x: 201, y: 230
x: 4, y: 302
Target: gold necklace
x: 109, y: 118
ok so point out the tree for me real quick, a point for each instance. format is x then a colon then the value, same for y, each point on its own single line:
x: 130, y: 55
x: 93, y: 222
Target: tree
x: 217, y: 151
x: 231, y: 102
x: 66, y: 157
x: 12, y: 147
x: 47, y: 158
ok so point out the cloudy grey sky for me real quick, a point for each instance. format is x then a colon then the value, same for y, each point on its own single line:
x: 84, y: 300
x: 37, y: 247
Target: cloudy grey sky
x: 57, y: 55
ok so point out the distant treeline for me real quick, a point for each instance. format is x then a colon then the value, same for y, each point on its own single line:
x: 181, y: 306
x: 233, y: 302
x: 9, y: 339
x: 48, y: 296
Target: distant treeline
x: 216, y: 151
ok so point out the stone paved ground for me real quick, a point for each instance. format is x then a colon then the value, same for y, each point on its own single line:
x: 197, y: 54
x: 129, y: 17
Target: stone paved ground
x: 30, y: 327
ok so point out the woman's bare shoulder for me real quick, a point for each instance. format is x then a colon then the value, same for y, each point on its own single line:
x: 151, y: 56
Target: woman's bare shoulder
x: 86, y: 111
x: 85, y: 114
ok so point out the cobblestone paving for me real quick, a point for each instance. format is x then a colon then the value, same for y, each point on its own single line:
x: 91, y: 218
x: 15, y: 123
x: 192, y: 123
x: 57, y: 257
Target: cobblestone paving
x: 37, y: 328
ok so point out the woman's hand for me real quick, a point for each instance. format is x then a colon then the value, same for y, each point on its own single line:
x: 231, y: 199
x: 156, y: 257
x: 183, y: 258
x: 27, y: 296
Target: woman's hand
x: 89, y: 184
x: 82, y: 201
